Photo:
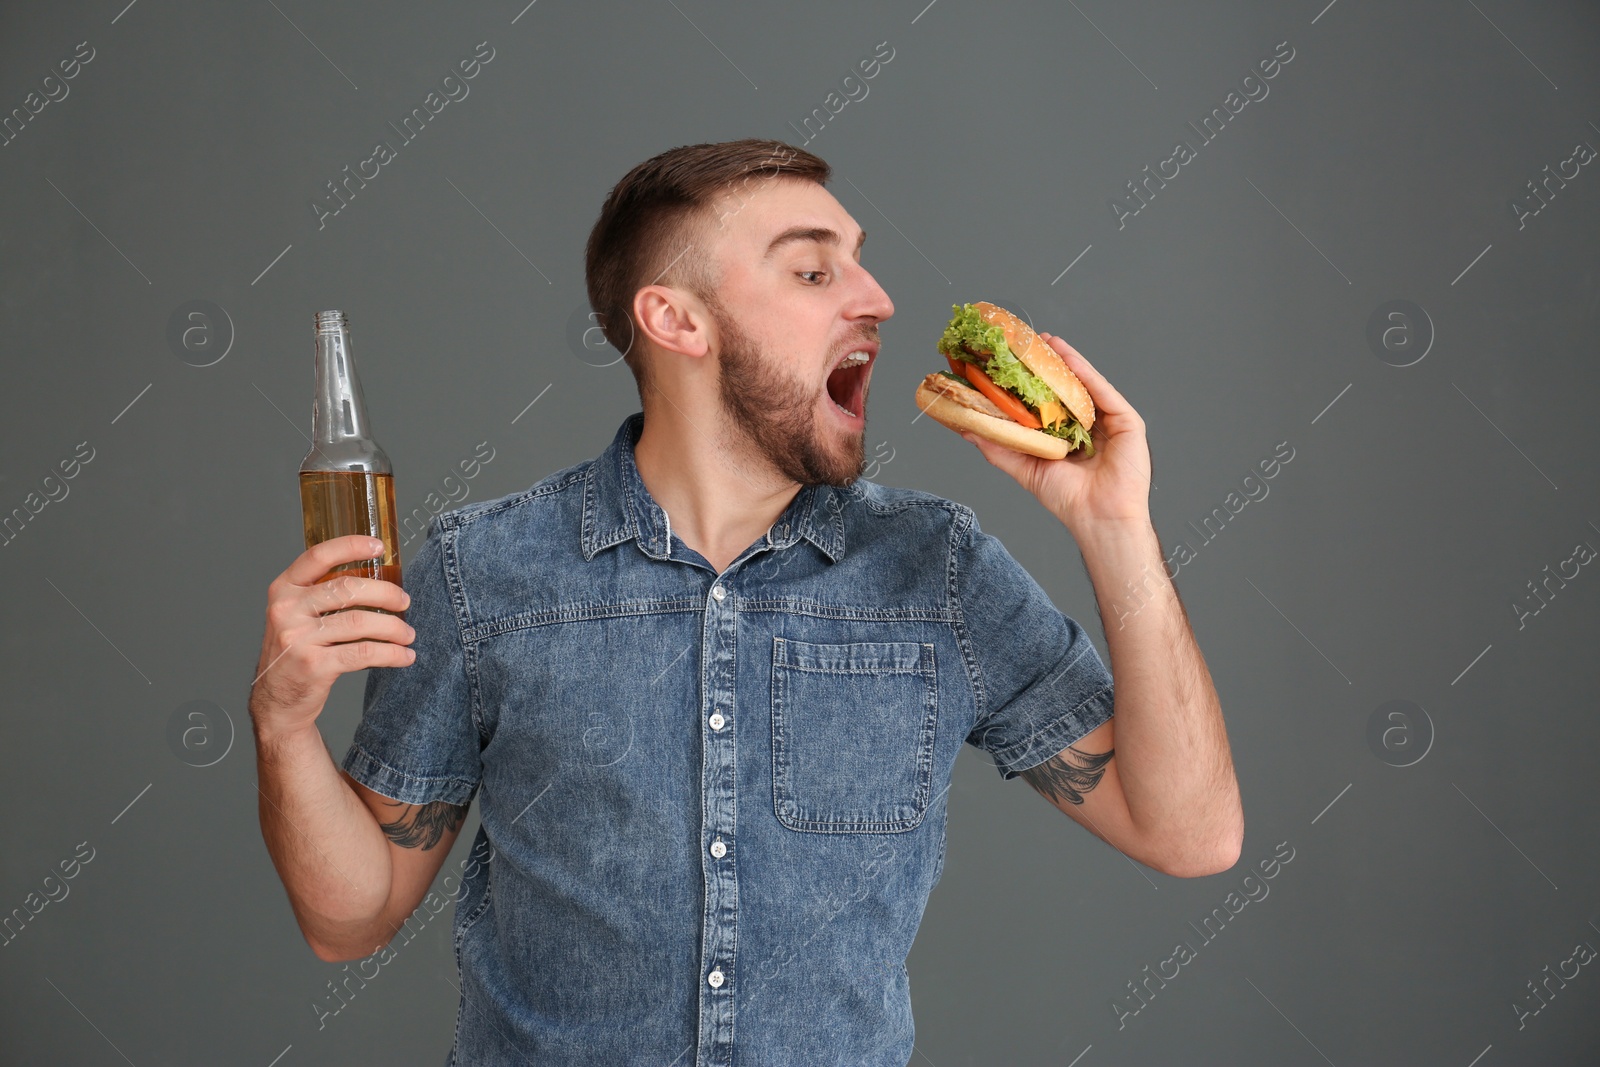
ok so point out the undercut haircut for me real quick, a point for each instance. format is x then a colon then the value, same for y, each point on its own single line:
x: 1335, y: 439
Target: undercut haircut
x: 650, y: 228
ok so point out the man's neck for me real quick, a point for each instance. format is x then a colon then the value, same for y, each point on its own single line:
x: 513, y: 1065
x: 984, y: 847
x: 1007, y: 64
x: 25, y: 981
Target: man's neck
x: 718, y: 497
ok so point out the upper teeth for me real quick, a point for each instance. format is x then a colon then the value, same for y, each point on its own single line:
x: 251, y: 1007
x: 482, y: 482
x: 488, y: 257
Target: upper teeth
x: 854, y: 359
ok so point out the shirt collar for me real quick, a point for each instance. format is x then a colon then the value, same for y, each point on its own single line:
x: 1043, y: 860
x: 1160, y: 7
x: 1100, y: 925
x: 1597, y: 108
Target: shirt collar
x: 617, y: 506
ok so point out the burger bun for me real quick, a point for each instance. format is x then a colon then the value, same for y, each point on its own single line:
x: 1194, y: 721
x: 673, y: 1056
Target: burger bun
x: 962, y: 408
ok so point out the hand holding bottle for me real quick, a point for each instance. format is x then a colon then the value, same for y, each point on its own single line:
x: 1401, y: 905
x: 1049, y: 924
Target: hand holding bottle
x: 318, y: 629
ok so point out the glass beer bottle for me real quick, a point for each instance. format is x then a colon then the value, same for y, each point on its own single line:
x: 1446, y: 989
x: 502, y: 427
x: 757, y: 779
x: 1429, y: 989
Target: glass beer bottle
x: 346, y: 481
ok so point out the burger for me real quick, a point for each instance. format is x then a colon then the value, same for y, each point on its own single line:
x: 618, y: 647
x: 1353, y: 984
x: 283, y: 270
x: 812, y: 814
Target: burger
x: 1007, y: 386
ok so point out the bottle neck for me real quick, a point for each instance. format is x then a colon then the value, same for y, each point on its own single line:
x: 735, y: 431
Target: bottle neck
x: 339, y: 411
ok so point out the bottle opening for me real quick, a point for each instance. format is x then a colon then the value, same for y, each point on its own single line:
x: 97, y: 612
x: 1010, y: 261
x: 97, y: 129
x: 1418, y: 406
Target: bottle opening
x: 328, y: 321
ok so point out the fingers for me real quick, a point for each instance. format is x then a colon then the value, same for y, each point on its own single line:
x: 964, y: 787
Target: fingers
x: 331, y: 613
x: 1106, y: 397
x: 318, y: 650
x: 291, y: 605
x: 303, y: 675
x: 318, y: 630
x: 319, y: 559
x: 357, y: 625
x: 303, y: 654
x: 351, y: 591
x: 301, y: 588
x: 360, y: 655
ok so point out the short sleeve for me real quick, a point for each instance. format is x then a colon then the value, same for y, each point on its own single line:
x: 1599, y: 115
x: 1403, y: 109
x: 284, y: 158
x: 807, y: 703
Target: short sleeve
x: 417, y: 741
x: 1039, y: 682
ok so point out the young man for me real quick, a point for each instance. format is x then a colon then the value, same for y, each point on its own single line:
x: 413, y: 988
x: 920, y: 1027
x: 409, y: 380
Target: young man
x: 711, y: 685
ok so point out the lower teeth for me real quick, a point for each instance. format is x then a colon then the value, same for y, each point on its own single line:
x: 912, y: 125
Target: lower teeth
x: 844, y: 409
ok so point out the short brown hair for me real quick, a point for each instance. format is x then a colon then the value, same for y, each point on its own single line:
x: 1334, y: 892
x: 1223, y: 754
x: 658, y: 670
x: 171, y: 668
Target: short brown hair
x: 646, y: 229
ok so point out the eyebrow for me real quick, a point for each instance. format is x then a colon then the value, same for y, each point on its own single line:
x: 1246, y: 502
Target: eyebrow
x: 819, y: 234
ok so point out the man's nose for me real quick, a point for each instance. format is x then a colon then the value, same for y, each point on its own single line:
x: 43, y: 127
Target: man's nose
x: 871, y: 300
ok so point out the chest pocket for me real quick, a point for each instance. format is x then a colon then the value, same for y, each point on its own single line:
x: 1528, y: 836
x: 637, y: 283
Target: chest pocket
x: 852, y: 734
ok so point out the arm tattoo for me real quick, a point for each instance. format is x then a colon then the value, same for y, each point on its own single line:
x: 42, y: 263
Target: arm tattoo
x: 423, y: 826
x: 1068, y: 775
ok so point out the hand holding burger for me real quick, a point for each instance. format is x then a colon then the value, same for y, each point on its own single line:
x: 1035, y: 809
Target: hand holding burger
x: 1025, y: 400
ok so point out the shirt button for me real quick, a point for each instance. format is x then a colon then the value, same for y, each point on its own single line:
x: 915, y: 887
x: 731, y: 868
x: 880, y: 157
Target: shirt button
x: 717, y: 593
x: 714, y: 979
x: 717, y: 721
x: 718, y: 849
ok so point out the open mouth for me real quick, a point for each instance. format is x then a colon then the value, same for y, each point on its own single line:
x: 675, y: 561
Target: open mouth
x: 847, y: 383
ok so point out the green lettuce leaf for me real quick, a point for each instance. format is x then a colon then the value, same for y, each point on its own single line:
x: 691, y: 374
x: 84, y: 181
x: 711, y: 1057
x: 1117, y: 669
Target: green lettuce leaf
x: 1003, y: 367
x: 1072, y: 431
x: 967, y: 326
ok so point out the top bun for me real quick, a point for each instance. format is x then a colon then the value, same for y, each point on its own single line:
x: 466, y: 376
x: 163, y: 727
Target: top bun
x: 1042, y: 360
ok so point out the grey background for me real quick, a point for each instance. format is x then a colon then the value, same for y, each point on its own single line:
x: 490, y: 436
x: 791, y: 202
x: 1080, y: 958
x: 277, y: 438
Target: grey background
x: 1232, y: 311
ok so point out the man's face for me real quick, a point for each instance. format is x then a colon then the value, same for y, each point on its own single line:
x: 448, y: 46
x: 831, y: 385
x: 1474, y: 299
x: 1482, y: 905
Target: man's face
x: 792, y: 304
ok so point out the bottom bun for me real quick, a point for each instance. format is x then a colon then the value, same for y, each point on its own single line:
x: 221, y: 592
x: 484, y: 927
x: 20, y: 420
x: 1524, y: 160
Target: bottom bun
x: 1001, y: 431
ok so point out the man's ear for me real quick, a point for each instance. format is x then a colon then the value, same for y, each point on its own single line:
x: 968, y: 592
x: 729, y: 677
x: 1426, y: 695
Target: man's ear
x: 673, y: 319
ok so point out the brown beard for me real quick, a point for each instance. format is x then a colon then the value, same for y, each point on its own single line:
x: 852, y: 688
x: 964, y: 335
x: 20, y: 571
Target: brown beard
x: 769, y: 410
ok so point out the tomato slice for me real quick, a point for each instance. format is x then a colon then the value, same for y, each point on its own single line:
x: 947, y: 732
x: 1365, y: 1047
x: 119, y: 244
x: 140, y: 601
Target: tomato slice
x: 1003, y: 400
x: 955, y: 364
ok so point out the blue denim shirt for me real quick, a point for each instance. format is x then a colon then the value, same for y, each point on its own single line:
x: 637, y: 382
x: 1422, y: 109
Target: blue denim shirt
x: 714, y: 803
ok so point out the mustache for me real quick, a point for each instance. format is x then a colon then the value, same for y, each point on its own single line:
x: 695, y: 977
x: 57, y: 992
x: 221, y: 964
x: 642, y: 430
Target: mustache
x: 865, y: 335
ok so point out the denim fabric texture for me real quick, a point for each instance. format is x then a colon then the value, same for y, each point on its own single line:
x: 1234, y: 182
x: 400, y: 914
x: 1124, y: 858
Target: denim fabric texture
x: 715, y: 802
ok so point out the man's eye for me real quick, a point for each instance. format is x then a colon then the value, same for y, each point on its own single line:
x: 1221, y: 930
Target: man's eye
x: 819, y: 273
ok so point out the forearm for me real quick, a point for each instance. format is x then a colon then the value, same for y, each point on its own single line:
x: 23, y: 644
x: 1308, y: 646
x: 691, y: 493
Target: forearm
x: 325, y: 843
x: 1171, y: 745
